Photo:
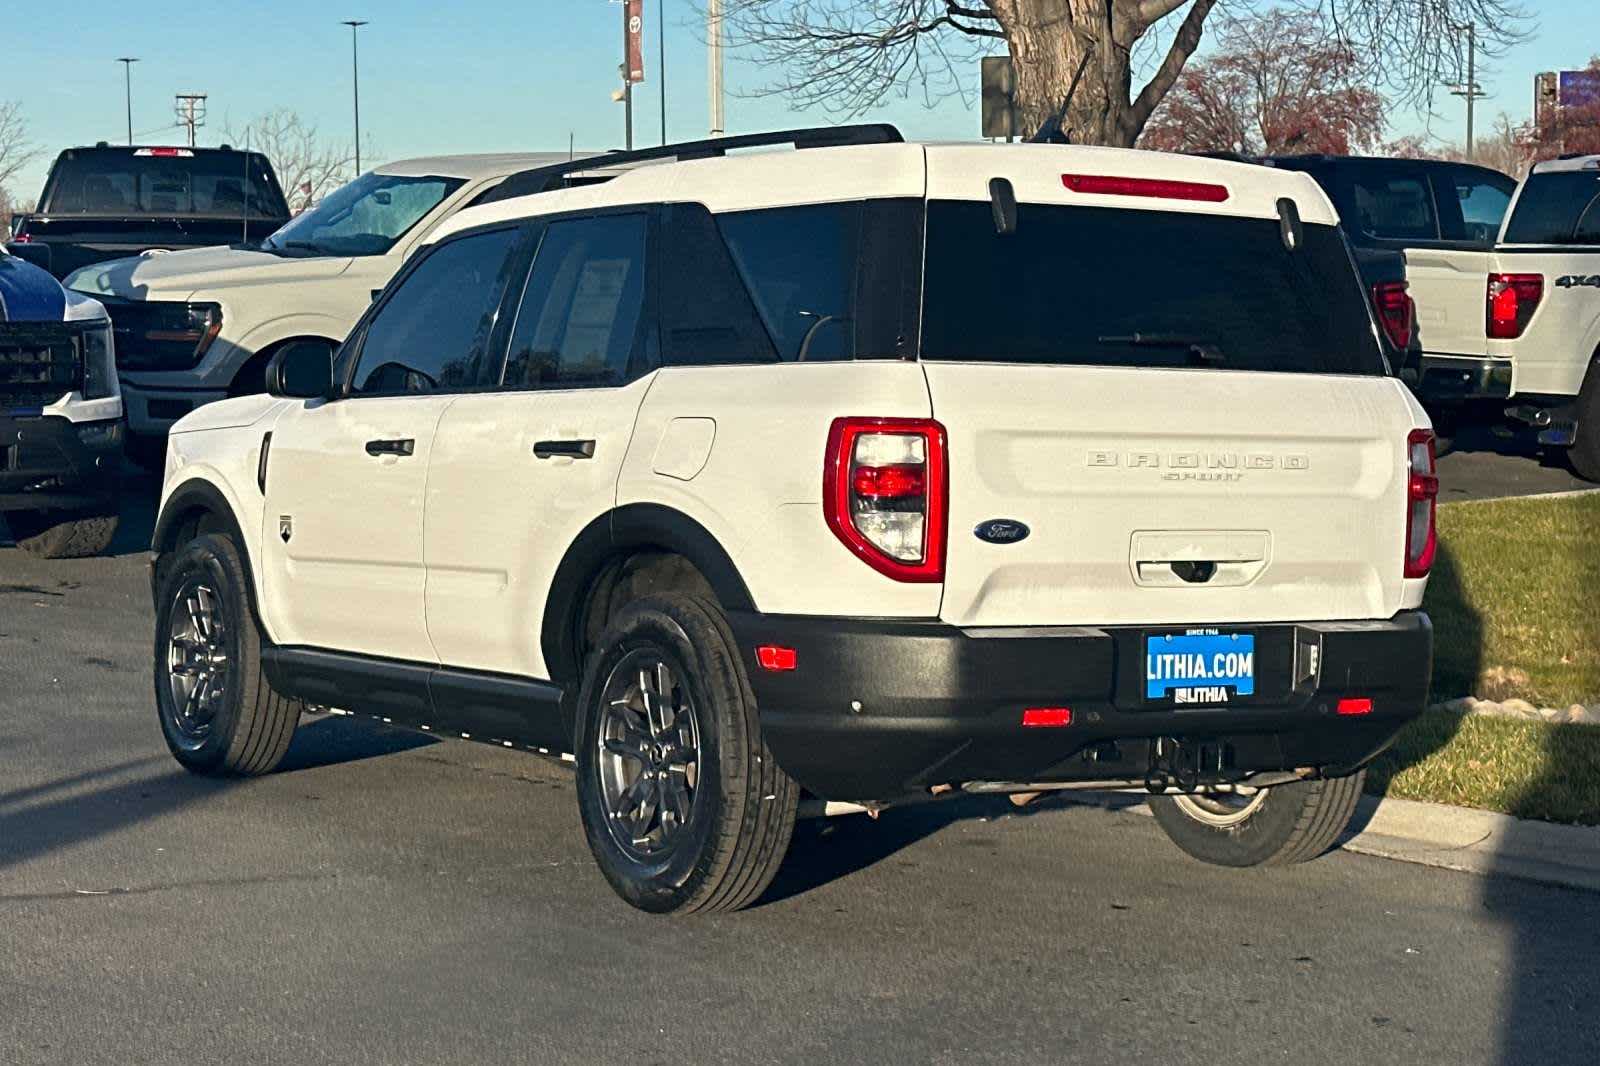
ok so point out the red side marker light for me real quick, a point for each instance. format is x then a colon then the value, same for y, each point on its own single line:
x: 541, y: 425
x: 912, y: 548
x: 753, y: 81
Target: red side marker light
x: 1353, y: 705
x: 1047, y: 717
x: 772, y: 657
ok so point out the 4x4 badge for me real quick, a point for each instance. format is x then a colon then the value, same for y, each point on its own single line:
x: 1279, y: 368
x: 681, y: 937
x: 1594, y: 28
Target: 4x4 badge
x: 285, y: 527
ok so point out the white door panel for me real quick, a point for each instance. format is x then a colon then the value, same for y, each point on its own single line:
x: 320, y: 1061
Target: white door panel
x: 1449, y: 287
x: 349, y: 574
x: 500, y: 517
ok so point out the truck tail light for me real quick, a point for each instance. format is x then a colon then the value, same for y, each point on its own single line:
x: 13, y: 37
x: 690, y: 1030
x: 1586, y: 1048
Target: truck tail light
x: 1396, y: 311
x: 884, y: 494
x: 1422, y: 498
x: 1512, y: 299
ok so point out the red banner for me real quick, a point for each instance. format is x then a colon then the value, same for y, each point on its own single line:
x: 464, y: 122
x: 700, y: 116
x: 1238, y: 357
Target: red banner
x: 633, y: 28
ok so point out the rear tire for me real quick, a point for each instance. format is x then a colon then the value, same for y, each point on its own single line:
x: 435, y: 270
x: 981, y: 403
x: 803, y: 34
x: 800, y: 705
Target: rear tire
x: 684, y: 807
x: 219, y: 714
x: 54, y: 535
x: 1585, y: 451
x: 1281, y: 825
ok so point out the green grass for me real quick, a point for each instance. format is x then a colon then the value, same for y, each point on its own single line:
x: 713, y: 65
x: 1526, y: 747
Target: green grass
x: 1515, y: 601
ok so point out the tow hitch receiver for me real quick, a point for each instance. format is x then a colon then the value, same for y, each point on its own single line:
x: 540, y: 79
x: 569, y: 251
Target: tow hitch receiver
x: 1187, y: 764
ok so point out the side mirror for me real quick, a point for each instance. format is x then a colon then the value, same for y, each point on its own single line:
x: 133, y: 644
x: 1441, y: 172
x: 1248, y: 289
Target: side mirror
x: 35, y: 252
x: 302, y: 371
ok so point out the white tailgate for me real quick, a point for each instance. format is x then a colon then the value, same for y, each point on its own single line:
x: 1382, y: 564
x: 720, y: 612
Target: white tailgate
x: 1293, y: 485
x: 1450, y: 288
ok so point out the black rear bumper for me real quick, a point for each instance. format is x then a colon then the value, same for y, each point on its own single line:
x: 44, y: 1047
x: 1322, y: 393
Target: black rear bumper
x: 1458, y: 379
x: 875, y: 709
x: 50, y: 464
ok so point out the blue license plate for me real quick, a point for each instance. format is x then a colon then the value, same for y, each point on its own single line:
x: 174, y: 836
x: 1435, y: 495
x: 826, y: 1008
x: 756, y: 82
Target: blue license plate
x: 1202, y: 666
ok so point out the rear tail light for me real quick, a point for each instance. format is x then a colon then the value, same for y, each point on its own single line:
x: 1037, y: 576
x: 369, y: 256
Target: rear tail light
x: 1161, y: 188
x: 1353, y: 705
x: 884, y: 494
x: 1512, y: 299
x: 1395, y: 311
x: 1047, y: 717
x: 1422, y: 498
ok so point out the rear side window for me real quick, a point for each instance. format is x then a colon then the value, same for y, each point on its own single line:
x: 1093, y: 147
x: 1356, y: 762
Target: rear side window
x: 205, y: 184
x: 1093, y: 286
x: 800, y: 266
x: 1559, y: 207
x: 433, y: 333
x: 578, y: 323
x: 1394, y: 206
x: 1483, y: 199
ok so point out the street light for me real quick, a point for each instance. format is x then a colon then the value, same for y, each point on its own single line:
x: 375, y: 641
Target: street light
x: 355, y: 82
x: 1470, y: 90
x: 127, y: 87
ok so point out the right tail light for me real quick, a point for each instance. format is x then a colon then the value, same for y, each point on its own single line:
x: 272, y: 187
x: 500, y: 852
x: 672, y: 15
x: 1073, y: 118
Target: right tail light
x: 1422, y: 499
x: 884, y: 494
x: 1512, y: 299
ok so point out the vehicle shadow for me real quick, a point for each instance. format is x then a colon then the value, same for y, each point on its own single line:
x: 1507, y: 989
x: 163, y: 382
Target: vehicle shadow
x: 137, y: 492
x: 337, y: 738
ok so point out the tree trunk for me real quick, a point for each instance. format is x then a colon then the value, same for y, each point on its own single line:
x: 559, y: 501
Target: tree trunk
x: 1050, y: 40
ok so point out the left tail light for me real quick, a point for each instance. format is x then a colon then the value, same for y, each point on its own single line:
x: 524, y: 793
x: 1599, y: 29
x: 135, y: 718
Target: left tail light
x: 885, y: 493
x: 1396, y: 312
x: 1422, y: 499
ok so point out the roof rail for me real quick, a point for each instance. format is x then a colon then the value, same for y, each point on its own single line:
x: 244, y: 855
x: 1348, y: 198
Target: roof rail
x: 543, y: 179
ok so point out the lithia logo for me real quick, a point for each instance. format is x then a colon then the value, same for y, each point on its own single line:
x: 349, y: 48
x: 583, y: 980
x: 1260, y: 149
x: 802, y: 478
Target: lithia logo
x: 1199, y: 466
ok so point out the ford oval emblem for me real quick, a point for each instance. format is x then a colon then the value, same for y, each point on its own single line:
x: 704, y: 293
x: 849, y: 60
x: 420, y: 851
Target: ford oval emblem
x: 1001, y: 531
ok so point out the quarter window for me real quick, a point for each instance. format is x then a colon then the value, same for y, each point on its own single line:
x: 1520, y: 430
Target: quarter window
x: 1397, y: 207
x: 434, y: 332
x: 580, y: 313
x: 799, y: 264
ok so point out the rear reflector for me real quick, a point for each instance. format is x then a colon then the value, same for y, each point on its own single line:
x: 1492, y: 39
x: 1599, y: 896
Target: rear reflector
x: 1352, y: 705
x: 775, y: 658
x: 1160, y: 188
x: 1512, y: 299
x: 1047, y: 717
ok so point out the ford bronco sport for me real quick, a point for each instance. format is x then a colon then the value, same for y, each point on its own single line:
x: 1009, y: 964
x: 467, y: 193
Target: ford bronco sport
x: 841, y: 475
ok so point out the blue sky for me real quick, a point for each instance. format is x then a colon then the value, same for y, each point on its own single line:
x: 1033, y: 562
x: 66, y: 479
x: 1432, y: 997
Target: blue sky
x: 482, y: 75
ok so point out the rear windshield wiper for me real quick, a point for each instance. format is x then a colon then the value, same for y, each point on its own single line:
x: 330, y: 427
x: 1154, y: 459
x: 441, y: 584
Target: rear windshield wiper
x: 1201, y: 348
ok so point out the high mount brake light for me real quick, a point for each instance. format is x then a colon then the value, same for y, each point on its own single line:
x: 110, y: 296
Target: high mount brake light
x: 1422, y: 498
x: 179, y: 153
x: 1511, y: 301
x: 1396, y: 311
x: 884, y: 494
x: 1160, y: 188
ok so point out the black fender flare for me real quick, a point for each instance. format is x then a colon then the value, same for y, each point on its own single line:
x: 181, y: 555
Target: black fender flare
x: 196, y: 494
x: 634, y: 525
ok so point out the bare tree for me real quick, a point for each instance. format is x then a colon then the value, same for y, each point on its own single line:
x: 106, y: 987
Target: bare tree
x: 1505, y: 147
x: 1074, y: 59
x: 1277, y: 82
x: 16, y: 151
x: 308, y: 166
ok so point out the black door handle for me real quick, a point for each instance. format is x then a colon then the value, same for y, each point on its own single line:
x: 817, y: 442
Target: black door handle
x: 570, y: 449
x: 392, y: 447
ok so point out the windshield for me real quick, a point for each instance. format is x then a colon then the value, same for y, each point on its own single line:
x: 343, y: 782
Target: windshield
x: 365, y: 217
x: 180, y: 182
x: 1557, y: 207
x: 1093, y: 286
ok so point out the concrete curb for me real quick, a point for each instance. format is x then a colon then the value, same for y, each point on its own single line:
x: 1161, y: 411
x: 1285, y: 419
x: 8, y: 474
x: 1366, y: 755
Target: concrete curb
x: 1450, y: 838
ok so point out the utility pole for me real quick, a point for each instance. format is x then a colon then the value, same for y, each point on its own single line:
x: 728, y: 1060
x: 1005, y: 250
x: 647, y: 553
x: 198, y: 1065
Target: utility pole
x: 127, y: 88
x: 191, y: 111
x: 661, y: 68
x: 627, y: 78
x: 714, y: 62
x: 355, y: 82
x: 1470, y: 90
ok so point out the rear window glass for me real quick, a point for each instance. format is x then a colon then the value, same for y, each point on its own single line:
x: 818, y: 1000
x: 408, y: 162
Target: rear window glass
x: 1397, y: 207
x: 1096, y: 286
x: 1561, y: 207
x: 206, y: 184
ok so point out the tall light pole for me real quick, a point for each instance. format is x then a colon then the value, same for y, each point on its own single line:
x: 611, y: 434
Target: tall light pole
x: 1470, y: 90
x: 127, y: 88
x: 355, y: 82
x: 714, y: 62
x: 661, y: 68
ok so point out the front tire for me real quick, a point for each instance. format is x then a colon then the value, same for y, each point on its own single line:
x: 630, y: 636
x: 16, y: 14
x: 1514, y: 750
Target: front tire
x: 55, y: 535
x: 683, y: 806
x: 1272, y: 827
x: 219, y: 714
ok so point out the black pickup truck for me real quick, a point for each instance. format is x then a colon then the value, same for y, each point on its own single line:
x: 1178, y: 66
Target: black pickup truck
x: 108, y: 201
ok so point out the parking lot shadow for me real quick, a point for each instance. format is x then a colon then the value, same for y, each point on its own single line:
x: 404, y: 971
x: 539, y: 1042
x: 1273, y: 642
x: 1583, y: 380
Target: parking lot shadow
x: 334, y: 739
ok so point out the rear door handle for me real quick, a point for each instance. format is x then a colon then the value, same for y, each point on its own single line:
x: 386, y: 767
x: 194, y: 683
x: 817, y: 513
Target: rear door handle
x: 408, y: 446
x: 569, y: 449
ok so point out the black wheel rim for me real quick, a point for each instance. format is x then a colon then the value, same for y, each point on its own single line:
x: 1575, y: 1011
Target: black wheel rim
x: 198, y: 663
x: 648, y: 755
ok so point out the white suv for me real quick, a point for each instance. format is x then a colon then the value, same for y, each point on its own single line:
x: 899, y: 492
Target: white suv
x: 857, y: 472
x: 201, y: 325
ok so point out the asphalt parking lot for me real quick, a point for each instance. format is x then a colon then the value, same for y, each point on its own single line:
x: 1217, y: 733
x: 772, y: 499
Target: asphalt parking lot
x: 386, y: 898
